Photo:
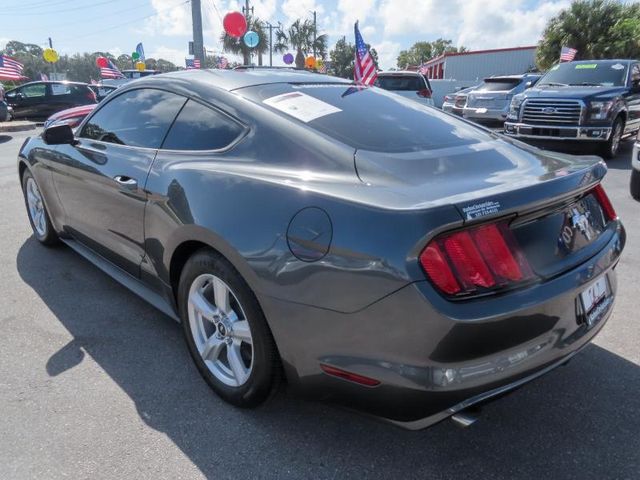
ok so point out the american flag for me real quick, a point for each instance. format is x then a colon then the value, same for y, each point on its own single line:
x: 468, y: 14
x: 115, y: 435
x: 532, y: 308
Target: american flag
x: 222, y: 63
x: 365, y: 68
x: 44, y: 77
x: 10, y: 69
x: 192, y: 63
x: 110, y: 71
x: 423, y: 69
x: 567, y: 54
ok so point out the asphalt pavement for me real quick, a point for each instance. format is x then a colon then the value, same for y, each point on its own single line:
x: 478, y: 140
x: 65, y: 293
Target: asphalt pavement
x: 95, y: 383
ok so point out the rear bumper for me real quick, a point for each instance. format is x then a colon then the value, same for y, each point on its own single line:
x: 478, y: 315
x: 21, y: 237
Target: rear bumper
x: 555, y: 132
x: 434, y: 357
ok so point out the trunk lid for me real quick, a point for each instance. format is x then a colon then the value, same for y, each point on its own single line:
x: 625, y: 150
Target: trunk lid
x: 557, y: 222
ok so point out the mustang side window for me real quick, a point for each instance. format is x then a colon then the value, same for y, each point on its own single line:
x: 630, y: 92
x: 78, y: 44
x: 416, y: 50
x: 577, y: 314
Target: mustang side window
x: 201, y: 128
x: 137, y: 118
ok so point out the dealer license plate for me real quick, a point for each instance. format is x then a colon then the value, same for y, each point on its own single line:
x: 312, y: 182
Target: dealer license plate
x: 596, y: 300
x: 481, y: 110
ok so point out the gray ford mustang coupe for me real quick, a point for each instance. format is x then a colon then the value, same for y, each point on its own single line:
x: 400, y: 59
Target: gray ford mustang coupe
x: 370, y: 251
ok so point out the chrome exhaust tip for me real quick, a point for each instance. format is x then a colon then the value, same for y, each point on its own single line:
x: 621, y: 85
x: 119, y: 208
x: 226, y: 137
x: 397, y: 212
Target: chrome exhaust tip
x: 464, y: 419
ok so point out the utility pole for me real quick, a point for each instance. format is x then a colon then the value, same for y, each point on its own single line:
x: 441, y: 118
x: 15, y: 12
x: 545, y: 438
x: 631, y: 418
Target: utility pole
x: 246, y: 9
x: 198, y: 42
x: 315, y: 33
x: 271, y: 27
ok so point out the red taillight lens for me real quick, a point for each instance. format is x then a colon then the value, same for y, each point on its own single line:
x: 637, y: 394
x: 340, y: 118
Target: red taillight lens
x: 605, y: 203
x: 350, y: 376
x: 425, y: 93
x: 477, y: 259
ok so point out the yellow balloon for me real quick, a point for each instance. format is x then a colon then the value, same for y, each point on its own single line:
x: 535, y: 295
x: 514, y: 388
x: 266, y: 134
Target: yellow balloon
x: 319, y: 63
x: 50, y: 55
x: 310, y: 62
x: 140, y: 66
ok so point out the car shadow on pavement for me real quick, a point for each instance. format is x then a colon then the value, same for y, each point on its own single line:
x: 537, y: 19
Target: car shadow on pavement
x: 580, y: 421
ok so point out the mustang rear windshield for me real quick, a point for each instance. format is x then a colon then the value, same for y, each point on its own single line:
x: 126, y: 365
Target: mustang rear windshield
x: 397, y: 82
x: 608, y: 73
x: 366, y: 118
x: 499, y: 85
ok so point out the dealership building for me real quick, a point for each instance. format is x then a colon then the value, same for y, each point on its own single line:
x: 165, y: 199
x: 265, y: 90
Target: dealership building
x: 473, y: 66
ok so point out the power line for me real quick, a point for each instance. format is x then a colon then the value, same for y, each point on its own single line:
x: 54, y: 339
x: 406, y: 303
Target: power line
x: 32, y: 14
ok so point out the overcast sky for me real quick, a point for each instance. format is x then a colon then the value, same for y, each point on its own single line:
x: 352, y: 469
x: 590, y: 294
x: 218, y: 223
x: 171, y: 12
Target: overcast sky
x: 164, y: 26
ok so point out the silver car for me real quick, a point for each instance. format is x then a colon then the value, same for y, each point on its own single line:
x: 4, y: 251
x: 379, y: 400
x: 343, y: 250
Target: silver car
x: 489, y: 102
x: 456, y: 101
x: 412, y: 85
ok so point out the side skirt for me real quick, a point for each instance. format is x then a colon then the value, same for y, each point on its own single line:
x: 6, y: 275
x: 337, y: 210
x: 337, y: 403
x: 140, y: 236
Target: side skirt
x: 122, y: 277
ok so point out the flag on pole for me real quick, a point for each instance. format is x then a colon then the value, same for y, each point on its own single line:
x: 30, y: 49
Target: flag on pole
x: 44, y: 77
x: 140, y: 51
x: 365, y: 68
x: 110, y: 71
x: 222, y: 63
x: 567, y: 54
x: 192, y: 63
x: 423, y: 69
x: 93, y: 82
x: 10, y: 69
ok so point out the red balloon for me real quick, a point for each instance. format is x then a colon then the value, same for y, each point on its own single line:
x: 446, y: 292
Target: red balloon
x: 101, y: 62
x: 235, y: 24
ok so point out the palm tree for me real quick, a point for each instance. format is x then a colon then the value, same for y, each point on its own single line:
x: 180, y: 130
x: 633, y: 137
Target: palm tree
x: 238, y: 47
x: 299, y: 37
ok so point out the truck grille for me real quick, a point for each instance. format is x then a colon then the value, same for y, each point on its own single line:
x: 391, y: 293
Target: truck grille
x: 552, y: 112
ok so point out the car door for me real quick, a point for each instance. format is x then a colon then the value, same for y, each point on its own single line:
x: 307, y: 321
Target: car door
x: 633, y: 99
x: 61, y: 98
x: 28, y: 100
x: 101, y: 179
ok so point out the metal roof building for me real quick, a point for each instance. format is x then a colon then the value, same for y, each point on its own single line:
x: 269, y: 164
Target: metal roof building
x: 477, y: 65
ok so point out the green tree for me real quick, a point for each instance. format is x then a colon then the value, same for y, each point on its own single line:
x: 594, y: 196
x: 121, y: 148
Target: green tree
x: 238, y: 47
x: 423, y: 51
x: 299, y: 37
x: 596, y: 28
x: 343, y: 58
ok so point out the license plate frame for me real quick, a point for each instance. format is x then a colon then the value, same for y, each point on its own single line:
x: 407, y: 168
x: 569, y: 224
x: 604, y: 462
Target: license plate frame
x: 596, y: 300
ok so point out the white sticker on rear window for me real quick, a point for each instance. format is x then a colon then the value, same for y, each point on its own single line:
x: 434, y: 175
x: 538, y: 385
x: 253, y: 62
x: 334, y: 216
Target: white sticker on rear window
x: 478, y: 210
x: 617, y: 66
x: 301, y: 106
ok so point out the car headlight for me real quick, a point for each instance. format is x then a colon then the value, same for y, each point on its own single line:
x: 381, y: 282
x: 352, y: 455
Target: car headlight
x: 514, y: 107
x: 600, y: 110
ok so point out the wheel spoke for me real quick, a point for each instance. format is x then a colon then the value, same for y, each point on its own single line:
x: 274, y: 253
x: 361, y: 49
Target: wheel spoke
x: 221, y: 295
x: 202, y: 305
x: 32, y: 198
x: 238, y: 368
x: 241, y: 331
x: 212, y: 348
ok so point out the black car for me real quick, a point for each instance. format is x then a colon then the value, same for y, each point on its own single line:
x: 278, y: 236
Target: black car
x: 39, y: 100
x: 590, y: 101
x: 372, y: 251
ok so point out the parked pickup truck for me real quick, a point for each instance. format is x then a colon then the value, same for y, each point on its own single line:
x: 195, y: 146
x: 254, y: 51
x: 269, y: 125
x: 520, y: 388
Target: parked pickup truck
x: 587, y: 101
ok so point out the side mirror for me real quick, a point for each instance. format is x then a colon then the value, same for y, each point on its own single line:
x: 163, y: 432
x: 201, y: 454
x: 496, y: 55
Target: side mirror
x: 635, y: 84
x: 529, y: 84
x: 58, y: 135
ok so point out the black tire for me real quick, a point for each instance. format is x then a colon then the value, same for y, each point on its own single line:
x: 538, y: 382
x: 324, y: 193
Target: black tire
x: 609, y: 149
x: 49, y: 236
x: 634, y: 186
x: 265, y: 373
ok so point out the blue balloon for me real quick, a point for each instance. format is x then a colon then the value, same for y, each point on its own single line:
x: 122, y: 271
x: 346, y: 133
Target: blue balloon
x: 251, y: 39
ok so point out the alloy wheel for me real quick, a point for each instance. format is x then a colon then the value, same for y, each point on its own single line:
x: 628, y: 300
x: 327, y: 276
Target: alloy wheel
x: 36, y: 208
x: 220, y: 330
x: 615, y: 141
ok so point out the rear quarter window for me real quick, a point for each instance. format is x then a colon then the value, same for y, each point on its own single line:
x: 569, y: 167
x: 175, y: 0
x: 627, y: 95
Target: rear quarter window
x: 199, y: 127
x: 370, y: 118
x: 400, y: 83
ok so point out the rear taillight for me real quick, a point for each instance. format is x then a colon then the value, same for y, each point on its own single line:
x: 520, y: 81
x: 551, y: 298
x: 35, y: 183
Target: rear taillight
x: 425, y: 93
x: 604, y: 202
x: 475, y: 260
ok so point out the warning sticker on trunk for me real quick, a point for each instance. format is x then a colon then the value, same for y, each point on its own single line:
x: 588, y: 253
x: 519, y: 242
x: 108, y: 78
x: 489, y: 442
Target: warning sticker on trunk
x: 301, y: 106
x: 483, y: 209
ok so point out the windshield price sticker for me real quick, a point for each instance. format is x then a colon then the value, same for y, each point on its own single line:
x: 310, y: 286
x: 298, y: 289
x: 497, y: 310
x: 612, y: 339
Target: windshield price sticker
x: 483, y: 209
x: 586, y: 66
x: 617, y: 66
x: 301, y: 106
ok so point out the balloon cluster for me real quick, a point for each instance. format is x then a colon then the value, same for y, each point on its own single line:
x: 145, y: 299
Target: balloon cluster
x: 102, y: 62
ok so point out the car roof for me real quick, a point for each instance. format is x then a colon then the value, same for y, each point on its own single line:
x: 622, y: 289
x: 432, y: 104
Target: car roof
x: 234, y: 79
x: 626, y: 60
x: 398, y: 72
x: 56, y: 82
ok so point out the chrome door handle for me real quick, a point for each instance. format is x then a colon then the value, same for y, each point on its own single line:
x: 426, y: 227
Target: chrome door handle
x: 126, y: 181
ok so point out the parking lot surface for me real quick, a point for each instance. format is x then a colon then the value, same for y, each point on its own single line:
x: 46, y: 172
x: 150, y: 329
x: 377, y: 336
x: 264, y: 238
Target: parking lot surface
x: 95, y: 383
